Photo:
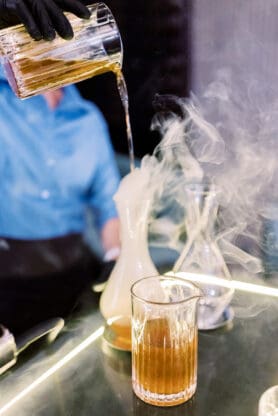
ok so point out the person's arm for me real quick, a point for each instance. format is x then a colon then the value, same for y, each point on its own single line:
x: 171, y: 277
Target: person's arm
x: 110, y: 238
x: 111, y: 245
x: 106, y: 184
x: 42, y: 18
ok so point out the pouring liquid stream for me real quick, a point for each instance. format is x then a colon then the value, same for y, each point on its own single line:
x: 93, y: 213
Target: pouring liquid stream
x: 122, y: 88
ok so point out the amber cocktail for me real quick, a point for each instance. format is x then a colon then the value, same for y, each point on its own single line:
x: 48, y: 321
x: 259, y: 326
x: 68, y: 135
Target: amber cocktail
x: 164, y: 340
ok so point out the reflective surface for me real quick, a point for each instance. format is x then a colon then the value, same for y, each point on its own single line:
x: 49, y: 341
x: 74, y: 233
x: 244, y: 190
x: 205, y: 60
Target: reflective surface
x: 236, y: 365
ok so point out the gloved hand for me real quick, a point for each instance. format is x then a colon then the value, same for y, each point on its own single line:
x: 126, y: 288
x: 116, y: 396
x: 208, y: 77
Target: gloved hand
x: 42, y: 18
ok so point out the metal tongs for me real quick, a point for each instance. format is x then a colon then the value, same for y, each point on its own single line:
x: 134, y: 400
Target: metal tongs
x: 11, y: 348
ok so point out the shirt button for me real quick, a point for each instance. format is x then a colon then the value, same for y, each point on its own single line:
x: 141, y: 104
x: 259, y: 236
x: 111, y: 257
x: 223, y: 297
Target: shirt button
x: 50, y: 162
x: 32, y: 118
x: 45, y: 194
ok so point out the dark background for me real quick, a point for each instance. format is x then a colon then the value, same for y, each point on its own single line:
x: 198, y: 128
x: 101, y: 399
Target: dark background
x: 156, y: 39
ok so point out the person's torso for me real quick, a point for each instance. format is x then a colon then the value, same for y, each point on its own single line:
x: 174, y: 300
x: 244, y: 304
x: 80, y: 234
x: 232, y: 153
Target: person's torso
x: 47, y: 164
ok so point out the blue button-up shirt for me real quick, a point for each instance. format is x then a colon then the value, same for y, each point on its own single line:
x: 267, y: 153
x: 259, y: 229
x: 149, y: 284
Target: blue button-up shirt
x: 53, y: 165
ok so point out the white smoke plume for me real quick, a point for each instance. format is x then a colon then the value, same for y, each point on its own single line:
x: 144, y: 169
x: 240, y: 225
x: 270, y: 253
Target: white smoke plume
x: 227, y: 137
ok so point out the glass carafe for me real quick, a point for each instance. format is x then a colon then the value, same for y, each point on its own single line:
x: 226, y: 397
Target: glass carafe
x: 201, y: 259
x: 33, y: 67
x: 133, y: 264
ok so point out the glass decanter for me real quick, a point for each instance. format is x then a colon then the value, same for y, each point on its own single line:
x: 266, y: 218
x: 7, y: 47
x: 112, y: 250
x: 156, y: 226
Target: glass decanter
x: 133, y: 264
x: 201, y: 259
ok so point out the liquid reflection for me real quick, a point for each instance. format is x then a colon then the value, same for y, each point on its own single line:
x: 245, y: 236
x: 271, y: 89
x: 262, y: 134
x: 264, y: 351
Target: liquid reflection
x: 117, y: 373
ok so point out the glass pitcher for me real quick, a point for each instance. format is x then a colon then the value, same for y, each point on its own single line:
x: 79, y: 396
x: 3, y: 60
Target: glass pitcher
x: 164, y: 340
x: 33, y: 67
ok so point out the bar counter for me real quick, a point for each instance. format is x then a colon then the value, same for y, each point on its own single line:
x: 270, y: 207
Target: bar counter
x: 80, y: 375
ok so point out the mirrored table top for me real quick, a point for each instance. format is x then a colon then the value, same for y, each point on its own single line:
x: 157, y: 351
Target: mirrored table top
x: 80, y: 375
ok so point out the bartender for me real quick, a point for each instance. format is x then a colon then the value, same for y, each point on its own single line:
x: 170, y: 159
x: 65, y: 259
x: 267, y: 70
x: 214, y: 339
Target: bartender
x: 57, y: 169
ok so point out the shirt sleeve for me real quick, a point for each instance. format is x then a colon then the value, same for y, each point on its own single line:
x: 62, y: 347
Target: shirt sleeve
x: 106, y: 177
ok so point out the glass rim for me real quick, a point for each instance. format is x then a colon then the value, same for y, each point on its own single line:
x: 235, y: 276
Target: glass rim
x: 268, y: 391
x: 165, y: 277
x: 268, y: 398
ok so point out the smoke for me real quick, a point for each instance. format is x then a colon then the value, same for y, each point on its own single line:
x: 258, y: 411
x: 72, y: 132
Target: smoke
x: 227, y: 138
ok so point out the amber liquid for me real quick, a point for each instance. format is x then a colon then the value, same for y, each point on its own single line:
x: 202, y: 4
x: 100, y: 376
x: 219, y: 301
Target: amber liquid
x: 125, y: 102
x: 164, y: 364
x: 37, y: 76
x: 28, y: 77
x: 118, y: 333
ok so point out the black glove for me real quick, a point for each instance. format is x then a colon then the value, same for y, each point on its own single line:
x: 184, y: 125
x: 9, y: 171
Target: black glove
x: 42, y: 18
